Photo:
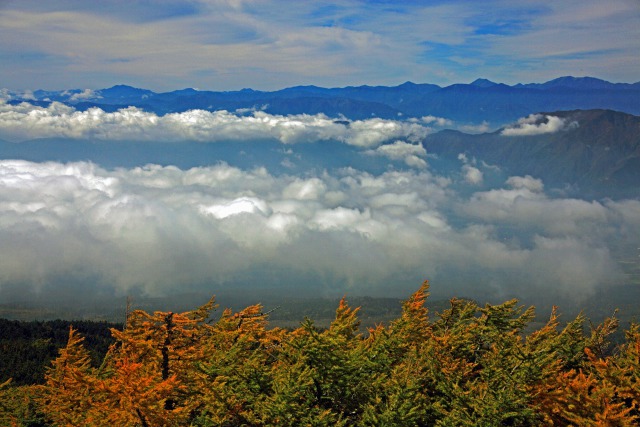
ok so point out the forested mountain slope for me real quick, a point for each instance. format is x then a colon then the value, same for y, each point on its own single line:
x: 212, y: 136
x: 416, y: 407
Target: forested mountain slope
x: 593, y: 152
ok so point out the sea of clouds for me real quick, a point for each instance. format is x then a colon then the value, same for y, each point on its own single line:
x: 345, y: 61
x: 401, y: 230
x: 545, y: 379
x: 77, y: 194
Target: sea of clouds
x: 159, y: 230
x: 27, y: 121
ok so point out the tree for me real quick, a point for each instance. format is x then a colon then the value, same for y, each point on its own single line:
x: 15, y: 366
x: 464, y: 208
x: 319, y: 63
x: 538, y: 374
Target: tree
x: 468, y: 366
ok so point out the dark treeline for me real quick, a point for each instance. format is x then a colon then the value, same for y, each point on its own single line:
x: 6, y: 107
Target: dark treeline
x: 27, y: 348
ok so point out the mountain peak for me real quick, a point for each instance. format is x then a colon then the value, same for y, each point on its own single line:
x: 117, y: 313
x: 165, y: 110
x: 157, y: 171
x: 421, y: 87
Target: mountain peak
x: 482, y: 83
x: 124, y: 91
x: 578, y: 83
x: 186, y: 91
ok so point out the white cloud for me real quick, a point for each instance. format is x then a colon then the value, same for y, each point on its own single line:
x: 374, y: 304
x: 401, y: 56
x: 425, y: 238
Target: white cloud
x: 27, y: 121
x: 528, y: 182
x: 399, y: 150
x: 373, y: 132
x: 274, y: 46
x: 478, y: 128
x: 84, y: 95
x: 5, y: 95
x: 411, y: 154
x: 438, y: 121
x: 415, y: 162
x: 471, y: 174
x: 535, y: 124
x: 249, y: 205
x: 155, y: 228
x: 526, y: 206
x: 569, y: 37
x: 308, y: 189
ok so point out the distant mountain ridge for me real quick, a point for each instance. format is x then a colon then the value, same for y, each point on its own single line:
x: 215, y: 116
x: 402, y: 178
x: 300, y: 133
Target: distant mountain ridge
x: 481, y: 100
x: 593, y: 154
x: 596, y: 153
x: 581, y: 83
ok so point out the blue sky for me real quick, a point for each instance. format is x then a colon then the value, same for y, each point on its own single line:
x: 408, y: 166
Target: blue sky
x: 265, y: 44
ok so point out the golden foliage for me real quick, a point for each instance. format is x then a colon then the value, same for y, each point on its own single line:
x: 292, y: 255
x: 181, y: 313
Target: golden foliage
x: 468, y: 366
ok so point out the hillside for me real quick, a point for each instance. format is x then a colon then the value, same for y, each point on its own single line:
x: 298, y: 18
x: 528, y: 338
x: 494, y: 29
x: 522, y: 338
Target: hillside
x: 596, y: 153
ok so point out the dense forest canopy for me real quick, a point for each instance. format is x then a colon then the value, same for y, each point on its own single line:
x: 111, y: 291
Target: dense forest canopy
x: 465, y: 366
x: 26, y: 348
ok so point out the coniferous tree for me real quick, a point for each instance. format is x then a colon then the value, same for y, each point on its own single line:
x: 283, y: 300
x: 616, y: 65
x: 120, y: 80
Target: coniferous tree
x: 468, y: 366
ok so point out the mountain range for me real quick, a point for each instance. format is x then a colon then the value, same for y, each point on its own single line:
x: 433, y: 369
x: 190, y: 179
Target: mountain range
x: 593, y: 150
x: 481, y: 100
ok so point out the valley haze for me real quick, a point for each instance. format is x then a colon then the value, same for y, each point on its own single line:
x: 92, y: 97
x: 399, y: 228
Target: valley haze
x: 115, y: 198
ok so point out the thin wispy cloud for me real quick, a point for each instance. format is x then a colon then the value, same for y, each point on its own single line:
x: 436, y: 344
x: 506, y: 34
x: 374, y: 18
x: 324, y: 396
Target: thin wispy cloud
x: 436, y: 121
x: 268, y: 45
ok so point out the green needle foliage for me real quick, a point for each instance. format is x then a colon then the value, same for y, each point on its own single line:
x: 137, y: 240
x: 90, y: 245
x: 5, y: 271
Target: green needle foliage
x: 465, y: 366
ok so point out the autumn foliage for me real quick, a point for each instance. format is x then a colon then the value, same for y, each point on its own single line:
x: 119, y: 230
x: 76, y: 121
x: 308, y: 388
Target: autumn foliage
x: 466, y: 366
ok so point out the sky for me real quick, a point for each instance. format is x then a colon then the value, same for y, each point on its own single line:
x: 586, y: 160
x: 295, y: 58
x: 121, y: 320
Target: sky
x: 379, y: 226
x: 165, y: 45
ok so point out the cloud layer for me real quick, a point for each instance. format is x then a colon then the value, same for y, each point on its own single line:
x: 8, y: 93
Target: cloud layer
x: 412, y: 154
x: 536, y: 124
x: 27, y: 121
x: 160, y: 230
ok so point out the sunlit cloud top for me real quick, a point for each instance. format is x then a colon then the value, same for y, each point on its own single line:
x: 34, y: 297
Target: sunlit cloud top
x: 161, y: 229
x: 27, y: 121
x: 228, y: 45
